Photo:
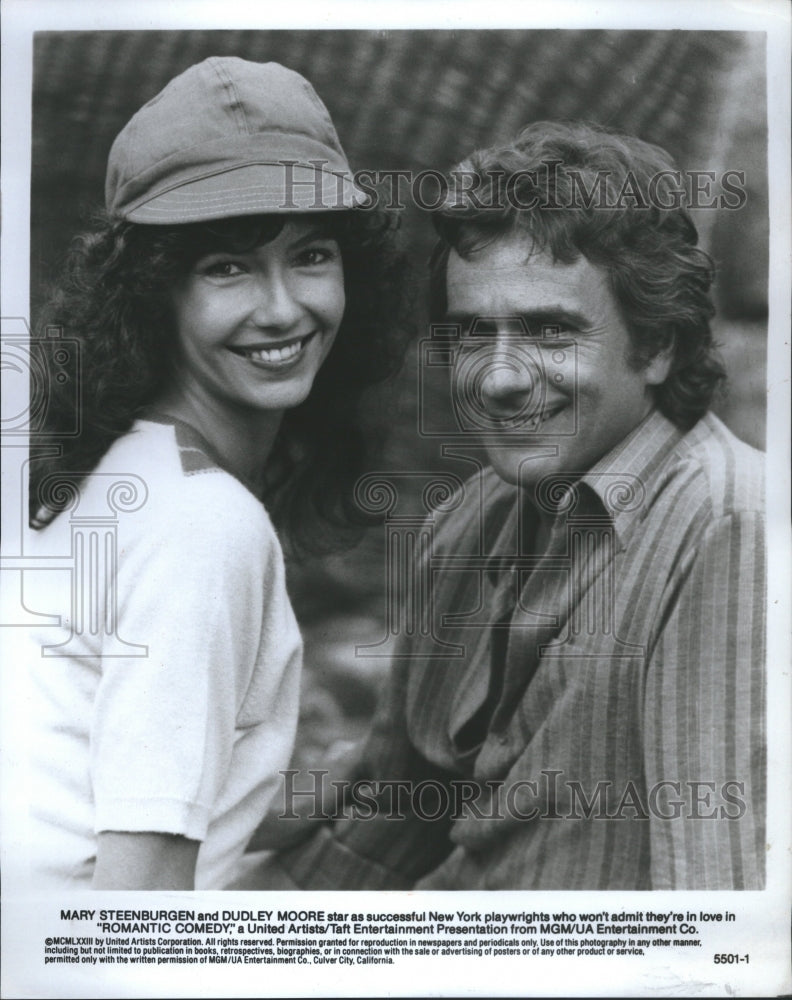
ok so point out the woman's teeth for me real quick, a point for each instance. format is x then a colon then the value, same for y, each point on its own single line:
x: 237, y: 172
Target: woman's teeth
x: 274, y: 354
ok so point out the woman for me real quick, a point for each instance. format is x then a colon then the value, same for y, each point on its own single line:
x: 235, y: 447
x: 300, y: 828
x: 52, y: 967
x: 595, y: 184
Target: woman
x: 230, y: 309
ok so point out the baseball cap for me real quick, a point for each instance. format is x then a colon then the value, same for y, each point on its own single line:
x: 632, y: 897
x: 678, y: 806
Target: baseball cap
x: 229, y: 137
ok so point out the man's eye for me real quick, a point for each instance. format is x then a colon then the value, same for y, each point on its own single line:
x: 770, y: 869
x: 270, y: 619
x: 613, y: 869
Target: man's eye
x: 551, y: 331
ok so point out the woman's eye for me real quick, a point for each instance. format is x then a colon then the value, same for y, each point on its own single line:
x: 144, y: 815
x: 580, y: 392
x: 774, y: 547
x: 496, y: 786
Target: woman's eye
x: 313, y: 256
x: 221, y: 268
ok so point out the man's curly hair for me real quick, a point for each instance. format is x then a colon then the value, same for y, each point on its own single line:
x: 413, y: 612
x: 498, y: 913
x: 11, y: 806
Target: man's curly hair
x: 575, y: 189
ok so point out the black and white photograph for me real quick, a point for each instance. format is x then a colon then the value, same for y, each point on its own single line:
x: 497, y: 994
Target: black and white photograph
x: 395, y: 439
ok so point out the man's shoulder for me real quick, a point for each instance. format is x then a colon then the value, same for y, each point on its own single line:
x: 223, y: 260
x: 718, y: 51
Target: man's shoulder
x: 721, y: 468
x: 479, y: 506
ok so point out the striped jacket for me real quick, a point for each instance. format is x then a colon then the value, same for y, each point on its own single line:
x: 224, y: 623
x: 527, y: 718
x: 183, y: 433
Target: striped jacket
x: 588, y: 718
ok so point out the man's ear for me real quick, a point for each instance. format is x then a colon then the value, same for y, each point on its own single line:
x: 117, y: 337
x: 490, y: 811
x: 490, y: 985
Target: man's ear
x: 659, y: 366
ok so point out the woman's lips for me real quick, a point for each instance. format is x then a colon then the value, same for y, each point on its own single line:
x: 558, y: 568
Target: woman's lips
x: 275, y: 355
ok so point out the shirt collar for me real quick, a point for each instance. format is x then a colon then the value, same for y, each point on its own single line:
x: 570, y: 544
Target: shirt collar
x: 621, y: 486
x: 625, y: 481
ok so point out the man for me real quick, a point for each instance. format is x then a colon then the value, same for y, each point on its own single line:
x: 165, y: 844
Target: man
x: 588, y: 710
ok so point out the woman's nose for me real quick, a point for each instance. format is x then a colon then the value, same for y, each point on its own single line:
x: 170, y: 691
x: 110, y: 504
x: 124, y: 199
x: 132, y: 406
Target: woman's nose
x: 276, y: 303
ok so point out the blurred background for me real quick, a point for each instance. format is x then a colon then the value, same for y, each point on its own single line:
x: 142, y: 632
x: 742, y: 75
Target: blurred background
x: 414, y: 100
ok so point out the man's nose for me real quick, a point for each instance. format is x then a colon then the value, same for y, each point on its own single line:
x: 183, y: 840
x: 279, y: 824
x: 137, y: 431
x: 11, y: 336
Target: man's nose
x: 275, y: 303
x: 510, y: 378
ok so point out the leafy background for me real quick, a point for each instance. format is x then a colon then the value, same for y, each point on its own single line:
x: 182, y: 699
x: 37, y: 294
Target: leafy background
x: 414, y: 100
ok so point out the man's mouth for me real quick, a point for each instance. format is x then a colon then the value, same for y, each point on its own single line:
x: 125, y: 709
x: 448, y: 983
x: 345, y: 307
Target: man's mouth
x: 274, y: 355
x: 531, y: 423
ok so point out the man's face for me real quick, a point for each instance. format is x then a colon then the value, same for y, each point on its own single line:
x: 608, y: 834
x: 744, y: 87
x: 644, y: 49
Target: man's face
x: 562, y: 393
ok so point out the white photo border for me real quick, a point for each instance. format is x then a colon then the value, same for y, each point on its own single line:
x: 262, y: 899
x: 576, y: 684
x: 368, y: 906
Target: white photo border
x: 763, y: 917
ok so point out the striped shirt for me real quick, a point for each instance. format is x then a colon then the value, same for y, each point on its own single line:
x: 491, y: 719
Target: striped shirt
x: 590, y: 717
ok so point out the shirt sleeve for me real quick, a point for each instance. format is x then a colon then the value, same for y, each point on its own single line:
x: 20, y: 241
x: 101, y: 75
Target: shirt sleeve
x: 164, y: 723
x: 705, y: 718
x: 384, y: 841
x: 392, y: 841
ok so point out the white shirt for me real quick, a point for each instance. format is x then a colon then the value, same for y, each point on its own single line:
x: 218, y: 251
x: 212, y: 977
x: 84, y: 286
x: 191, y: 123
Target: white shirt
x: 173, y: 703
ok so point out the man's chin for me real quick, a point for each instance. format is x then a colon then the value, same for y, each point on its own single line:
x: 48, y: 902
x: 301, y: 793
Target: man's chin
x: 523, y: 466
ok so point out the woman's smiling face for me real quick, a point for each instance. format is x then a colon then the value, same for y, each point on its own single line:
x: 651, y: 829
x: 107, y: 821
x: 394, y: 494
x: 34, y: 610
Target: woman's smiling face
x: 253, y: 328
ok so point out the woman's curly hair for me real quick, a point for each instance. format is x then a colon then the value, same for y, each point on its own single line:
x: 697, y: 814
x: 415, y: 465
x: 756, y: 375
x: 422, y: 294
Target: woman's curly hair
x: 114, y: 298
x: 576, y: 189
